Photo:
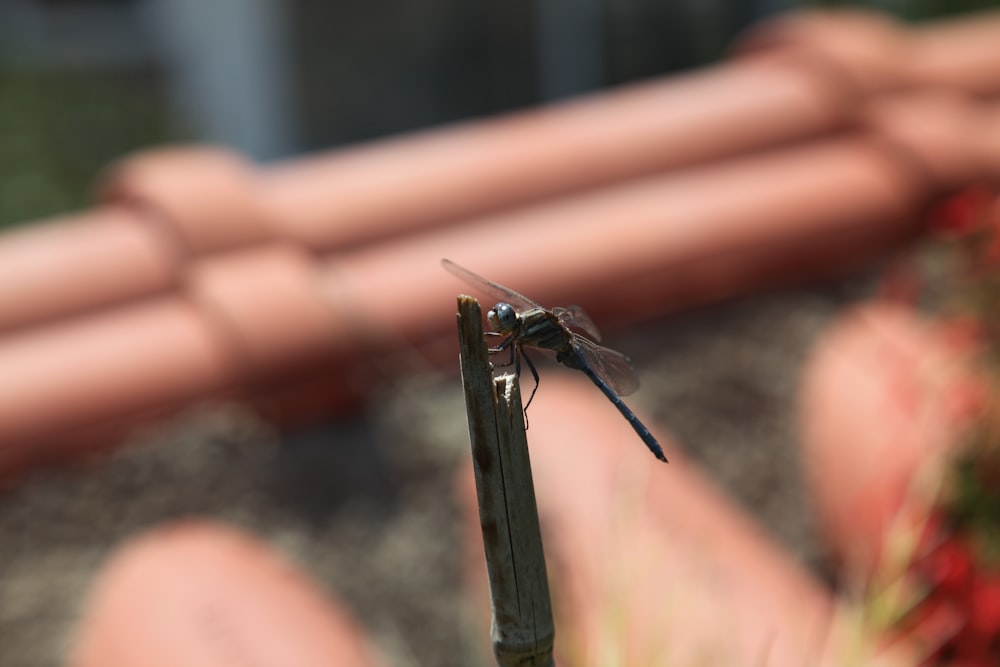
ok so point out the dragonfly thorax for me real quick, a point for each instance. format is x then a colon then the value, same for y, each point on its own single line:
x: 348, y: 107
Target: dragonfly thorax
x: 503, y: 318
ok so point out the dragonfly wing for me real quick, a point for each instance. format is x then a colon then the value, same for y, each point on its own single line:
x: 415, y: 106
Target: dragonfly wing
x: 577, y: 319
x: 505, y: 294
x: 613, y: 367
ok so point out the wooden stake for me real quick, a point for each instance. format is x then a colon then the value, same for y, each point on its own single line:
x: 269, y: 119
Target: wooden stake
x: 522, y: 630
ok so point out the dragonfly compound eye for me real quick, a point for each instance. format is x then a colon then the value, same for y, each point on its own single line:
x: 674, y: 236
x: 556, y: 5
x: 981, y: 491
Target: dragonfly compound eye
x: 502, y: 317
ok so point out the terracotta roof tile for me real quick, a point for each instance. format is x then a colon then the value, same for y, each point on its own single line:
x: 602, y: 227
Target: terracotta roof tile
x: 199, y: 273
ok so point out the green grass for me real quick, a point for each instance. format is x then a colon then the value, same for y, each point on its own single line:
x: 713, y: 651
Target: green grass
x: 915, y: 10
x: 59, y: 128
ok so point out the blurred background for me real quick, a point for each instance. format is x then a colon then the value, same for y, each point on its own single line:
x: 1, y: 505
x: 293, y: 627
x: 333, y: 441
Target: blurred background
x: 83, y: 82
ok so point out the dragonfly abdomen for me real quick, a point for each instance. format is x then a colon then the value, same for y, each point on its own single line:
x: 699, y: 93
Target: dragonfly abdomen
x: 640, y: 429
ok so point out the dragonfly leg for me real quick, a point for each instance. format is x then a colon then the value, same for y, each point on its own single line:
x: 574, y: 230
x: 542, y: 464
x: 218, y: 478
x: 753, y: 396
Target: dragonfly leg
x: 504, y: 345
x: 534, y: 374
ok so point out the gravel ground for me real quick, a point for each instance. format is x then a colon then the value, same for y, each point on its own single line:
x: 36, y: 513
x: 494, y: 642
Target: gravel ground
x: 353, y: 502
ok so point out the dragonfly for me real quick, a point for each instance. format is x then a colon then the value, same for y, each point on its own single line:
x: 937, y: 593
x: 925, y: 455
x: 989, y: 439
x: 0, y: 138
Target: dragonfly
x: 570, y: 333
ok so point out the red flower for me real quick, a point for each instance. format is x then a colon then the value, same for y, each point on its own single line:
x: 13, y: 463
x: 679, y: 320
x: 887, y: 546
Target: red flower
x: 963, y: 212
x: 980, y: 661
x: 949, y: 568
x: 984, y: 612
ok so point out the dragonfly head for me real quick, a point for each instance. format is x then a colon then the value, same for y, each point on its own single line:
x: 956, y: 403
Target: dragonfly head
x: 502, y: 317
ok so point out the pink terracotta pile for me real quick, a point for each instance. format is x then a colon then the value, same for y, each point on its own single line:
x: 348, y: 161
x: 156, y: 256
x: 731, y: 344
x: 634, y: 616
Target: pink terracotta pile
x: 816, y: 149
